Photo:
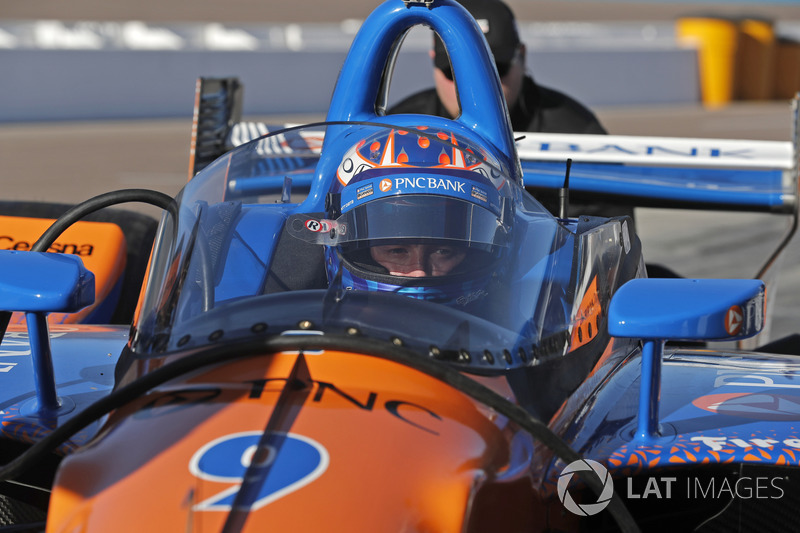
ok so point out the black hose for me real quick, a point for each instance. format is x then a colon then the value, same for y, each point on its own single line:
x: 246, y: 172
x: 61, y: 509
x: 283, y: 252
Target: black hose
x: 228, y: 352
x: 74, y: 214
x: 371, y: 347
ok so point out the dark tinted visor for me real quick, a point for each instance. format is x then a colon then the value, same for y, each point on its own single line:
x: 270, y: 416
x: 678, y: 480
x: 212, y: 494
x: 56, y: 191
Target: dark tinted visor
x: 407, y: 216
x: 422, y: 217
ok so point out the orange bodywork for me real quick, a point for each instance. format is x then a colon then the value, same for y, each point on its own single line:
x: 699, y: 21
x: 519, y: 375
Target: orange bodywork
x: 587, y: 319
x: 100, y: 245
x: 398, y: 451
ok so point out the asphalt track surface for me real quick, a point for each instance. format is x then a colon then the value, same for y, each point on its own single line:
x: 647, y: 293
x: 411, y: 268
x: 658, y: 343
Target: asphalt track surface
x: 70, y: 162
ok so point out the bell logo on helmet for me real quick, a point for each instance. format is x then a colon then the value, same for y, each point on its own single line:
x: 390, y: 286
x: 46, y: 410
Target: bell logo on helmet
x: 479, y: 194
x: 364, y: 191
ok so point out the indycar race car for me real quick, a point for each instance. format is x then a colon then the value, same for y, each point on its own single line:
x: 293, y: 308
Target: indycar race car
x: 416, y: 345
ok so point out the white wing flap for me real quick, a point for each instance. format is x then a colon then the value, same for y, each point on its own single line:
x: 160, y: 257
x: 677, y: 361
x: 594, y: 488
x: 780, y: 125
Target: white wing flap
x: 670, y: 151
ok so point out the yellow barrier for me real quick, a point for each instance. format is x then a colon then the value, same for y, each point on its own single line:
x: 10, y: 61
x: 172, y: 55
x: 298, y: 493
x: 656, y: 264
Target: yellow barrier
x: 717, y: 42
x: 756, y: 60
x: 737, y: 58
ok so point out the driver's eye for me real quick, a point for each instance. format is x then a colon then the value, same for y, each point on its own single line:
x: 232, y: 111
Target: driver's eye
x: 397, y: 251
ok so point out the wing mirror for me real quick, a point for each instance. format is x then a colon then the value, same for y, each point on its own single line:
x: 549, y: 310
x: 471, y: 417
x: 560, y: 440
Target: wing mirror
x: 658, y: 310
x: 688, y: 309
x: 38, y: 283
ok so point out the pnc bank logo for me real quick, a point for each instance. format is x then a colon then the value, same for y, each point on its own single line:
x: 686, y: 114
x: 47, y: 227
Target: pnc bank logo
x: 385, y: 185
x: 734, y: 319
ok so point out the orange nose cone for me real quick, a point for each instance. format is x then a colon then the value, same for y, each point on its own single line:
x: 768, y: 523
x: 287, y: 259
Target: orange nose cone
x: 324, y: 442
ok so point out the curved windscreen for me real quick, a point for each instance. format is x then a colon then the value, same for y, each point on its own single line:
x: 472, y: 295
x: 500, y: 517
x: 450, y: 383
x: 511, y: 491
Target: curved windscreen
x: 244, y: 258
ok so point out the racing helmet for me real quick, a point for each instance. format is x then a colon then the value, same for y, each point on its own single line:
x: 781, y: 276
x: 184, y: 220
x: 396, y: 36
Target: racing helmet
x: 417, y: 212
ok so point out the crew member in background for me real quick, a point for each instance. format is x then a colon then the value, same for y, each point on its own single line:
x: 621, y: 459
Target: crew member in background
x: 532, y: 107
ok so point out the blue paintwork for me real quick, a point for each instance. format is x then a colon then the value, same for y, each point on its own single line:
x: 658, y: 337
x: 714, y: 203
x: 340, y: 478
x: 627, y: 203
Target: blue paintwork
x: 760, y: 424
x: 757, y: 189
x: 483, y: 108
x: 44, y: 282
x: 656, y: 411
x: 686, y: 309
x: 83, y: 363
x: 657, y: 310
x: 484, y: 117
x: 631, y: 406
x: 649, y: 391
x: 44, y: 379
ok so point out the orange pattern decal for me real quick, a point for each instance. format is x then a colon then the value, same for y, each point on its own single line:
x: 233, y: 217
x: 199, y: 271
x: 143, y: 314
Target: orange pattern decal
x: 587, y: 318
x: 764, y: 448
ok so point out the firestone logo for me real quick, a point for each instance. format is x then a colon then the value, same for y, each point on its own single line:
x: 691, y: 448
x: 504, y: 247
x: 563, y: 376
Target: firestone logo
x: 586, y: 509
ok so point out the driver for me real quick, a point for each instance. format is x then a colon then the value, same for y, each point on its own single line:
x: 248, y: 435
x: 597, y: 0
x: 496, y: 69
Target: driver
x: 418, y: 260
x: 417, y: 213
x: 420, y: 244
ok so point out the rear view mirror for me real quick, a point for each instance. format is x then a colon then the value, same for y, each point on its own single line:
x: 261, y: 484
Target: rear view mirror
x: 688, y: 309
x: 657, y: 310
x: 40, y: 282
x: 37, y: 283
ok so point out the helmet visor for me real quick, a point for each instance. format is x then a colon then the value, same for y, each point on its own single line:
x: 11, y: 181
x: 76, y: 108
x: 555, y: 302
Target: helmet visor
x: 420, y: 217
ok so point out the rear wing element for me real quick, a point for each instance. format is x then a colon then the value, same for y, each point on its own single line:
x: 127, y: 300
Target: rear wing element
x: 742, y: 175
x: 736, y: 174
x: 217, y: 107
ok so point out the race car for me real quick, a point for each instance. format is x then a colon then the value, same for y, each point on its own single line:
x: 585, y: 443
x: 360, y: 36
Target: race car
x: 416, y: 345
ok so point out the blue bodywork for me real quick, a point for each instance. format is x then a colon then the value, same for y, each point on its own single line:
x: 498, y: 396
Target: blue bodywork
x: 715, y: 408
x: 753, y: 189
x: 83, y: 360
x: 577, y: 312
x: 738, y: 189
x: 37, y: 282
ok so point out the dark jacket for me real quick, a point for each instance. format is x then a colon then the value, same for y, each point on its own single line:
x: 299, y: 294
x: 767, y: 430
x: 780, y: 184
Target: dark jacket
x: 539, y: 109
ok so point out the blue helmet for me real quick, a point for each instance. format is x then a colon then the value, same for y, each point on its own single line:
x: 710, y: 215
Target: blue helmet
x: 416, y: 212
